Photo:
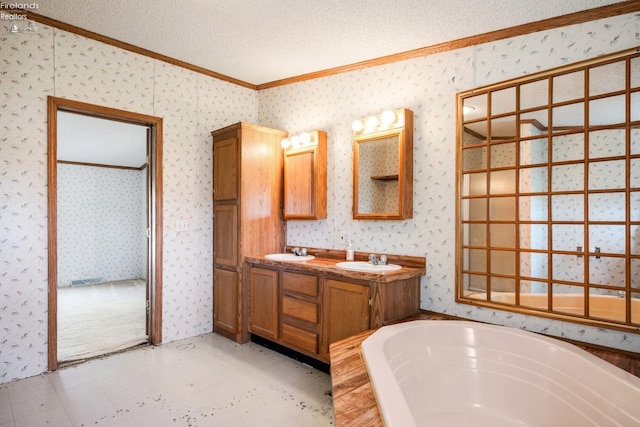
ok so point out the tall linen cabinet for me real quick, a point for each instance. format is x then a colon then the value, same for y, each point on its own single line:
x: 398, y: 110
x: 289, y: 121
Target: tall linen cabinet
x: 247, y: 215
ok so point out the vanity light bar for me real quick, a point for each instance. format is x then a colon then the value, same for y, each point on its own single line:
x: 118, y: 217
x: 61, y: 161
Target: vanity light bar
x: 305, y: 139
x: 388, y: 119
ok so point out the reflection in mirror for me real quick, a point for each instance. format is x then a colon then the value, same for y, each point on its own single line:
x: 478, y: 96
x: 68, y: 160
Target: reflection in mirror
x: 635, y: 106
x: 503, y: 101
x: 567, y: 147
x: 503, y: 128
x: 567, y: 87
x: 607, y: 78
x: 503, y: 155
x: 568, y: 116
x: 549, y: 193
x: 534, y: 94
x: 607, y: 143
x: 607, y: 111
x: 378, y: 159
x: 383, y: 166
x: 533, y: 151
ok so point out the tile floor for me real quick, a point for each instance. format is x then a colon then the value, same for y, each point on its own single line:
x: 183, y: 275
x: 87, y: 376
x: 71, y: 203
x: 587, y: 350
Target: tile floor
x: 201, y: 381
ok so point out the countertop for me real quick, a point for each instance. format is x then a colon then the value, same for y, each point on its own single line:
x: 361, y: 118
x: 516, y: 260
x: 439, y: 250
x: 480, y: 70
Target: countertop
x: 325, y: 264
x: 353, y: 398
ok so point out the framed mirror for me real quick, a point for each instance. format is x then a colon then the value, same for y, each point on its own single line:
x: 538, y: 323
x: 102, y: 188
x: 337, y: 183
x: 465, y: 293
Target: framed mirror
x: 548, y: 193
x: 383, y: 166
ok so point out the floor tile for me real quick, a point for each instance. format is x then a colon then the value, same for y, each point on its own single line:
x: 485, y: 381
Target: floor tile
x: 201, y: 381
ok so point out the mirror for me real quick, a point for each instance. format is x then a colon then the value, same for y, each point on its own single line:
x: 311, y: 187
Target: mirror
x: 547, y: 190
x: 383, y: 166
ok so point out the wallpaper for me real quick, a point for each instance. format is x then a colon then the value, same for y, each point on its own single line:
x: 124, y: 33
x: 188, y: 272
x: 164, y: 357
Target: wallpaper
x: 53, y: 62
x: 102, y: 224
x: 428, y: 86
x: 57, y: 63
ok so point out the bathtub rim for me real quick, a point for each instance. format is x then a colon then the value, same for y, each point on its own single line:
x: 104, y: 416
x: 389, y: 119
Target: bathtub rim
x: 389, y: 391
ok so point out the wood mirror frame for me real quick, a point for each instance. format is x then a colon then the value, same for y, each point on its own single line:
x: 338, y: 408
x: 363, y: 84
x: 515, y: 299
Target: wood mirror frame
x: 383, y: 164
x: 548, y: 193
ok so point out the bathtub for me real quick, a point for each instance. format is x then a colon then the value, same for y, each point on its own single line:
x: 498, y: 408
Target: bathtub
x: 608, y: 307
x: 460, y: 373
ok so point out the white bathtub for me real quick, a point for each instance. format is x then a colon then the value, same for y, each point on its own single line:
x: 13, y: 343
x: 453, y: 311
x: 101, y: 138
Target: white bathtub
x: 459, y: 373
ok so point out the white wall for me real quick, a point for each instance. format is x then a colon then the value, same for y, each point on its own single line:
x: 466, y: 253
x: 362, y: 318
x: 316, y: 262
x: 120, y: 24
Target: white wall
x: 57, y: 63
x: 428, y: 86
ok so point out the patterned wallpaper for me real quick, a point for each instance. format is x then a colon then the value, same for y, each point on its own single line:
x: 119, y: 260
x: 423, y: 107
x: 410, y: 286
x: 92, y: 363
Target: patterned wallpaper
x: 57, y: 63
x: 428, y: 86
x: 101, y: 223
x: 53, y: 62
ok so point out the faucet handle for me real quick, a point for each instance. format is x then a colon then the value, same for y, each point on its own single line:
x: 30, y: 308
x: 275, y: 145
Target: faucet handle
x: 383, y: 259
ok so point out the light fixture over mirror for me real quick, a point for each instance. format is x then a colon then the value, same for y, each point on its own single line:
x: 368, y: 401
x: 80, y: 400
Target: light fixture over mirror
x: 383, y: 166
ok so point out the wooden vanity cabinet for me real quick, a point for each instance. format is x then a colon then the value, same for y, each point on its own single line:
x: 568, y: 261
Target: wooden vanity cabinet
x: 263, y: 302
x: 301, y: 312
x: 306, y: 309
x: 305, y: 179
x: 346, y: 310
x: 247, y: 215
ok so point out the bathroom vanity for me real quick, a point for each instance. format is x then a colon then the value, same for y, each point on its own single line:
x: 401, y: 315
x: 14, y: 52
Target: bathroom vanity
x: 307, y: 305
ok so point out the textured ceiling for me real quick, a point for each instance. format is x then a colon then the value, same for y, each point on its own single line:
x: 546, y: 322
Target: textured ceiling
x: 260, y: 41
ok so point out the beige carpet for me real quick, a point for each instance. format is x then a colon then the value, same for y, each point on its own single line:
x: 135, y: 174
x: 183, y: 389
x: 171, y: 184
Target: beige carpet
x: 101, y: 318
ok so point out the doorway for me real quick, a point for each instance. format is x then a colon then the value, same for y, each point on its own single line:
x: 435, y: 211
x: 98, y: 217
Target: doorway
x: 126, y: 271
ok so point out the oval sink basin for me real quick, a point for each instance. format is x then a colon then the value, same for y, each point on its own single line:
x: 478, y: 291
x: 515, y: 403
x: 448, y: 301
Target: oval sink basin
x: 288, y: 257
x: 367, y: 267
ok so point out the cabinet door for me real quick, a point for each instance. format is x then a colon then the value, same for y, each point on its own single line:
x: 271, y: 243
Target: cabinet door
x: 225, y: 235
x: 225, y: 169
x: 298, y: 184
x: 305, y: 179
x: 345, y: 311
x: 263, y: 302
x: 225, y: 302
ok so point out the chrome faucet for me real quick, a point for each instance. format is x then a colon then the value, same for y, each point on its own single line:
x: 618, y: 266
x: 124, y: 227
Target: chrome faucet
x: 299, y: 252
x: 373, y: 259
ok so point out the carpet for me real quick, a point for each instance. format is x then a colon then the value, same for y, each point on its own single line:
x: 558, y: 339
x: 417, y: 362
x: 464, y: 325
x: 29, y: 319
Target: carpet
x: 101, y: 318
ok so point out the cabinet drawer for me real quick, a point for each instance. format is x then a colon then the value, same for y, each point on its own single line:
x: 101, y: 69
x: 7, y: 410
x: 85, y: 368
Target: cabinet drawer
x: 303, y: 310
x: 300, y: 283
x: 300, y: 338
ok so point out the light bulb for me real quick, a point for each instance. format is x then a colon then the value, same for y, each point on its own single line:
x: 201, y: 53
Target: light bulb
x: 305, y: 138
x: 387, y: 117
x: 357, y: 126
x: 372, y: 123
x: 295, y: 141
x: 285, y: 143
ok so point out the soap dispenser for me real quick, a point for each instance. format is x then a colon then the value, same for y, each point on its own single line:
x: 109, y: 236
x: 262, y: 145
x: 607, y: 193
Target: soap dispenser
x: 350, y: 252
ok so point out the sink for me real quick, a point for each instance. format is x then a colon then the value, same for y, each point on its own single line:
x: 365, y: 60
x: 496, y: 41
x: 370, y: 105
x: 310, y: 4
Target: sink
x: 288, y: 257
x: 367, y: 267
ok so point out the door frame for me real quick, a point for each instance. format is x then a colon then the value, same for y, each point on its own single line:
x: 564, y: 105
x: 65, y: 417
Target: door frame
x: 154, y: 124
